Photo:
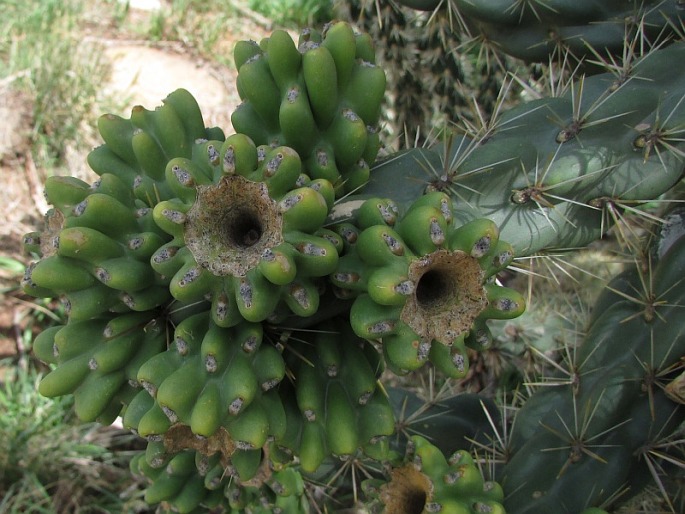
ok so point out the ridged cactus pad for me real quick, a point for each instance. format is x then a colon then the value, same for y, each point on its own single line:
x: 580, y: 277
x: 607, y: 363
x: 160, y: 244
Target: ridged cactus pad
x: 579, y: 441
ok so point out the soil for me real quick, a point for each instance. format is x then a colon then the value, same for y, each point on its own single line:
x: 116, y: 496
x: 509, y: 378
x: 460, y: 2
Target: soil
x: 141, y: 73
x: 144, y: 75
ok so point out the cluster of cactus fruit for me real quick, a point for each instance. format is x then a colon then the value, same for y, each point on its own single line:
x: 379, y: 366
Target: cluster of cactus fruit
x: 237, y: 300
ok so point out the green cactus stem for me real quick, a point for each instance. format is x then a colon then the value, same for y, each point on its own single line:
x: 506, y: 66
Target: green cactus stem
x: 551, y: 171
x: 538, y: 31
x: 580, y: 443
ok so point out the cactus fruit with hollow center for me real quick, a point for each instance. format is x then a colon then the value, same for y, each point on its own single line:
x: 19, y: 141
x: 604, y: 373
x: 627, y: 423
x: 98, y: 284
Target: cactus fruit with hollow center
x: 321, y: 97
x: 426, y: 481
x: 247, y: 231
x: 98, y: 240
x: 423, y: 284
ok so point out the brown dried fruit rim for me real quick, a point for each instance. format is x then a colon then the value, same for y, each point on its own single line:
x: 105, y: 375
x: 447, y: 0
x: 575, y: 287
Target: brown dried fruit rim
x: 231, y: 224
x: 448, y: 295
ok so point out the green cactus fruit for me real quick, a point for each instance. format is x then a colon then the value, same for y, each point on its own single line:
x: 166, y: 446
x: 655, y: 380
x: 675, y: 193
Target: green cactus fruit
x: 426, y: 481
x: 210, y: 384
x: 215, y: 392
x: 321, y: 79
x: 95, y: 250
x: 319, y: 97
x: 246, y: 231
x: 190, y: 481
x: 341, y: 423
x: 341, y: 408
x: 177, y: 483
x: 576, y: 444
x: 421, y: 278
x: 98, y: 360
x: 312, y: 450
x: 44, y: 345
x: 137, y: 150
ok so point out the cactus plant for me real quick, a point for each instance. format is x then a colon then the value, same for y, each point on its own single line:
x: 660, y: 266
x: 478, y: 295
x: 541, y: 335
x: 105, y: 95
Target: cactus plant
x: 589, y: 437
x: 545, y: 171
x: 241, y: 301
x: 435, y: 74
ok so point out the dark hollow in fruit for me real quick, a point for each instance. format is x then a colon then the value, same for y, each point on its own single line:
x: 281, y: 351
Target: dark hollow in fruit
x: 448, y: 295
x: 435, y: 287
x: 243, y: 227
x: 232, y: 224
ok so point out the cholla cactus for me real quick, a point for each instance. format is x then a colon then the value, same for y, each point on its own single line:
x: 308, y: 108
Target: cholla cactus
x: 241, y: 300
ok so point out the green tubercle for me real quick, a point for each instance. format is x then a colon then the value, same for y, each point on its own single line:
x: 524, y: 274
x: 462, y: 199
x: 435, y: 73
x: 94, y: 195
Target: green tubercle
x: 319, y: 97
